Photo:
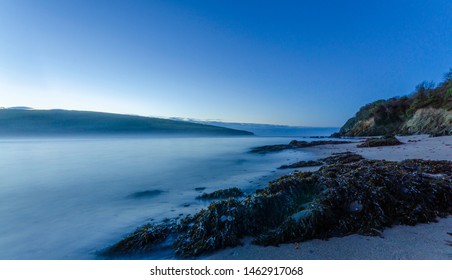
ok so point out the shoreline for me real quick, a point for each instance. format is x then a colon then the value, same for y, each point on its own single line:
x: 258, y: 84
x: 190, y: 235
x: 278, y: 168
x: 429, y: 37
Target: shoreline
x: 424, y: 147
x: 401, y: 242
x: 422, y: 241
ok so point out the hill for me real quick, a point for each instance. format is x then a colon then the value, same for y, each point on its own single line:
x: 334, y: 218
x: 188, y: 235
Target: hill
x: 64, y: 122
x: 427, y: 111
x: 271, y: 130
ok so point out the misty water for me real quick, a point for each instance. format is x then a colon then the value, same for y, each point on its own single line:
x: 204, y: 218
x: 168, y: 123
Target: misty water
x: 68, y: 198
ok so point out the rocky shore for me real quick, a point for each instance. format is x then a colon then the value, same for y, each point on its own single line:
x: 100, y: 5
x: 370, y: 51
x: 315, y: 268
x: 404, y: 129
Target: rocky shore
x: 349, y: 194
x: 294, y: 144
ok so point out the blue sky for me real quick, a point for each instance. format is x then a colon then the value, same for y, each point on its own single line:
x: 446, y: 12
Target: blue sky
x: 312, y: 63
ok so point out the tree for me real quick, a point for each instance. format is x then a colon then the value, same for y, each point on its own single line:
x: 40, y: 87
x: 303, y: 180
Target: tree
x: 448, y: 76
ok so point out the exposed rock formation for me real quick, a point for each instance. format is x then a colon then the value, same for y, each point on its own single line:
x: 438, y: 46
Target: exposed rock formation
x: 378, y: 142
x: 350, y: 195
x: 222, y: 194
x: 294, y: 144
x: 427, y: 111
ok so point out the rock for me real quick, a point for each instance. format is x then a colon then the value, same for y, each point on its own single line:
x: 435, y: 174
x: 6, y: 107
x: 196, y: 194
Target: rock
x: 304, y: 214
x: 146, y: 194
x: 378, y: 142
x: 434, y: 176
x: 222, y: 194
x: 143, y: 240
x: 213, y: 228
x: 356, y: 207
x: 342, y: 158
x: 294, y: 144
x: 301, y: 164
x: 358, y: 196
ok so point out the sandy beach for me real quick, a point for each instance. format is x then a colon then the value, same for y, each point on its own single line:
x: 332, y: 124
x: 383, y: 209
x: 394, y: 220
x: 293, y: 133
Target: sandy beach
x: 414, y: 147
x: 423, y: 241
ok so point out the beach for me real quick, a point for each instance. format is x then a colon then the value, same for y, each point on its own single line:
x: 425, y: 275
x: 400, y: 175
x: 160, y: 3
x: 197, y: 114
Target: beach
x: 414, y: 147
x: 423, y: 241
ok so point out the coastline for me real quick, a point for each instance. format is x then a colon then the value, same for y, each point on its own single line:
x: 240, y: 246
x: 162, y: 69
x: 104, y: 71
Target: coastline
x: 419, y: 242
x: 424, y: 147
x: 423, y: 241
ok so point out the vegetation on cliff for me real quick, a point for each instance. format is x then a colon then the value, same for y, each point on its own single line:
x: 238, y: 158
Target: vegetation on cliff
x: 428, y: 110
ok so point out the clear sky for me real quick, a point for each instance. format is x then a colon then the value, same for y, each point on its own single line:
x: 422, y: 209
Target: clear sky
x: 312, y: 63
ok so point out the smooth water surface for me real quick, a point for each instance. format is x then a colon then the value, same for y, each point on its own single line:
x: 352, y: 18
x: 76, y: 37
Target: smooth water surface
x: 67, y: 198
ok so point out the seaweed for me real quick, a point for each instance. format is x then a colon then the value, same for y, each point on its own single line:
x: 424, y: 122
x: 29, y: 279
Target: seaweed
x: 142, y: 240
x: 216, y: 227
x: 378, y: 142
x: 349, y: 195
x: 342, y: 158
x: 336, y: 158
x: 222, y: 194
x: 294, y: 144
x: 301, y: 164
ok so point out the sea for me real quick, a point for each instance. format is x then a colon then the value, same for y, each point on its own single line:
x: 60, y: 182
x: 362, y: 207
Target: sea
x: 72, y: 197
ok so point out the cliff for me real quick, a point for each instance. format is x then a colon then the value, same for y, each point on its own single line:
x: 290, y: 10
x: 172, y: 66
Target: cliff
x: 427, y: 111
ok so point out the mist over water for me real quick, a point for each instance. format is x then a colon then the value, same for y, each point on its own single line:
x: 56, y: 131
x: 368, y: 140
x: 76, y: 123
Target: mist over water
x: 64, y: 198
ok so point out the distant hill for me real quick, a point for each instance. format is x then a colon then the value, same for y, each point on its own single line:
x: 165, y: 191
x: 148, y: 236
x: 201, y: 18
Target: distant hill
x: 19, y: 108
x: 64, y: 122
x: 273, y: 130
x: 427, y: 111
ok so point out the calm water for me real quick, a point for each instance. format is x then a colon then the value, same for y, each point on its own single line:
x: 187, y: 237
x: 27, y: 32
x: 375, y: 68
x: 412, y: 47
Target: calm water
x: 69, y: 198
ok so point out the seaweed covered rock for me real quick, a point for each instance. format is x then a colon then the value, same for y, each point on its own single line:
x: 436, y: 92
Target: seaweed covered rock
x: 218, y: 226
x: 143, y: 240
x: 366, y: 196
x: 342, y: 158
x: 302, y: 225
x: 336, y: 158
x: 294, y: 144
x: 350, y: 195
x: 378, y: 142
x: 301, y: 164
x: 222, y: 194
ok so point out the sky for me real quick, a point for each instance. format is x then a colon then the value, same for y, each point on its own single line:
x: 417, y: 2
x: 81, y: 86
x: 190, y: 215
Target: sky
x: 304, y: 63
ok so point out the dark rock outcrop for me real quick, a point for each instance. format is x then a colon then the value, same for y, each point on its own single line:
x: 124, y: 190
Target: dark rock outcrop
x: 379, y: 142
x: 342, y: 158
x: 350, y: 195
x: 335, y: 158
x: 143, y: 240
x: 222, y: 194
x: 146, y: 194
x: 301, y: 164
x: 294, y: 144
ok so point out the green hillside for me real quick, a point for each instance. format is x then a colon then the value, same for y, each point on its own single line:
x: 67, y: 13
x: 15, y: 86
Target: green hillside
x: 428, y: 110
x: 63, y: 122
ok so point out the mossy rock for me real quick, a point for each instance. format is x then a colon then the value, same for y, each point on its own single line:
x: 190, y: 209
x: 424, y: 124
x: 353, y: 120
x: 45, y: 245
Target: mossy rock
x: 302, y: 164
x: 143, y: 240
x: 378, y: 142
x: 350, y: 195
